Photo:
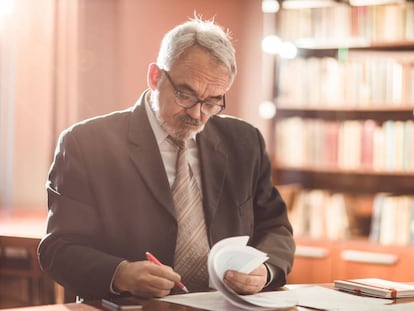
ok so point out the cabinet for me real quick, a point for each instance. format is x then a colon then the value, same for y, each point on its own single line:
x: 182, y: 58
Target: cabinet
x: 322, y: 261
x: 344, y: 134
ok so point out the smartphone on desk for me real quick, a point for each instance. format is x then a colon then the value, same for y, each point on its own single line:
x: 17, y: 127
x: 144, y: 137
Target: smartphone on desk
x: 120, y: 304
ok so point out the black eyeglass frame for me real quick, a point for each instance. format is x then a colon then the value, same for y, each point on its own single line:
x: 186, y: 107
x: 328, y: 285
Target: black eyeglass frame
x: 179, y: 94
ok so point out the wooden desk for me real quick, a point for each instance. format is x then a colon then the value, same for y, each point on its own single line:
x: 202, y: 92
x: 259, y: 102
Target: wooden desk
x: 20, y: 233
x: 23, y: 223
x: 148, y: 305
x: 24, y: 229
x: 151, y: 305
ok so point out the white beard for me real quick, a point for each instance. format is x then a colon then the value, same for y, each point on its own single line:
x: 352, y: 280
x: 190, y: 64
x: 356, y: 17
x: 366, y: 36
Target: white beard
x: 177, y: 133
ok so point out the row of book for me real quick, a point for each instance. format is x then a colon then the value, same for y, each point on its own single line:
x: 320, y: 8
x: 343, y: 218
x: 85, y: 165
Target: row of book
x: 323, y: 214
x: 362, y: 79
x: 384, y: 218
x: 319, y: 214
x: 350, y: 144
x: 393, y: 219
x: 377, y: 23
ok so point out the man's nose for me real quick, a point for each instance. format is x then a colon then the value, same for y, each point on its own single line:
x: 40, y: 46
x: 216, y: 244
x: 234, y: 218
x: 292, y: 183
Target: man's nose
x: 195, y: 111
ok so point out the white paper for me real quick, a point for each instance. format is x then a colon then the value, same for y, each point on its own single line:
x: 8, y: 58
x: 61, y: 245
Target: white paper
x: 214, y: 301
x: 390, y: 307
x: 317, y: 297
x: 323, y: 298
x: 234, y: 254
x: 207, y: 301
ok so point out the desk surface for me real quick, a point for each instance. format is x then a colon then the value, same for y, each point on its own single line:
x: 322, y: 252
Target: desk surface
x: 151, y: 305
x: 30, y: 225
x: 23, y: 223
x: 148, y: 305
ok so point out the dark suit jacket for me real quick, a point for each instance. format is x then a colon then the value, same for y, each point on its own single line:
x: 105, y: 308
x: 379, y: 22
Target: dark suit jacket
x: 109, y: 198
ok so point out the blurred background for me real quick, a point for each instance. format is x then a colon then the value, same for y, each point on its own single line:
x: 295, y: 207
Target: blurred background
x: 64, y: 61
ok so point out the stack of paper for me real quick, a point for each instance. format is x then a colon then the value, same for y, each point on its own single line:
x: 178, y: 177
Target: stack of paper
x: 234, y: 254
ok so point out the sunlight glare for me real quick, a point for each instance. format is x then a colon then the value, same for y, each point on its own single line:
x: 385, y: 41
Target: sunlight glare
x: 6, y: 7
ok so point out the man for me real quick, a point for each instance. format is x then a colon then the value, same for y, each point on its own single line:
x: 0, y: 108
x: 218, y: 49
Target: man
x: 112, y: 188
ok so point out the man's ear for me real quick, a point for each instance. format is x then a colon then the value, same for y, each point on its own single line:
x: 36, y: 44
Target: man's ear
x: 153, y: 76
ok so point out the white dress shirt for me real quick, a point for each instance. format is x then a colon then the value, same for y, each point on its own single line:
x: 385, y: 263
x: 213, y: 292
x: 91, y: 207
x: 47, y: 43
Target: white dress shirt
x: 169, y: 151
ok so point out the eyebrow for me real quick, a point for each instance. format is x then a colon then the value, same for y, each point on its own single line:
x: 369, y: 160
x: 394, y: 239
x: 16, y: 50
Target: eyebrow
x: 188, y: 88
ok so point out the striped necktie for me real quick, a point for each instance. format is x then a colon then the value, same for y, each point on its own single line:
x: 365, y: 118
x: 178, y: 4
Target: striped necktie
x: 192, y: 247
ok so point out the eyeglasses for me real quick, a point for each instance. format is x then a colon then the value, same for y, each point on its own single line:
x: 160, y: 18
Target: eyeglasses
x: 208, y: 107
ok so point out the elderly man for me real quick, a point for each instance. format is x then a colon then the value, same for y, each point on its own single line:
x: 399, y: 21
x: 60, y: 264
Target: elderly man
x: 168, y: 176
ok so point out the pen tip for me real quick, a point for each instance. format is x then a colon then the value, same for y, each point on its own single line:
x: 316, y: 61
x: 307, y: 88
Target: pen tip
x: 186, y: 289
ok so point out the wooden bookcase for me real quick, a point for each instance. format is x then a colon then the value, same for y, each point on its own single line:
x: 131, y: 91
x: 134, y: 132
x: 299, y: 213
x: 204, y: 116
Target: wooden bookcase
x: 354, y: 71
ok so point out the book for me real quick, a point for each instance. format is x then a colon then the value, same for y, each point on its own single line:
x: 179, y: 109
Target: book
x: 376, y: 288
x: 234, y: 254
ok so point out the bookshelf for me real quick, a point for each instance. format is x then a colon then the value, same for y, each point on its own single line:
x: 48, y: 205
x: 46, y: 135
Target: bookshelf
x: 343, y: 135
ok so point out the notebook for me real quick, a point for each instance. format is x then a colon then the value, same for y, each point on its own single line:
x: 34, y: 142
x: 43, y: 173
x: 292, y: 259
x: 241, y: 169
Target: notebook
x: 376, y: 287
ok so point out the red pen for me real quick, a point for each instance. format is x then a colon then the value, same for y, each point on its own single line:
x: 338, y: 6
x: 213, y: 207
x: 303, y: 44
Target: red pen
x: 154, y: 259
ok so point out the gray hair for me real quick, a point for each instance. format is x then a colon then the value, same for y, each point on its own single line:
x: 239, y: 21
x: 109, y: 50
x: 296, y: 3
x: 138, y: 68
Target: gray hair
x: 194, y: 32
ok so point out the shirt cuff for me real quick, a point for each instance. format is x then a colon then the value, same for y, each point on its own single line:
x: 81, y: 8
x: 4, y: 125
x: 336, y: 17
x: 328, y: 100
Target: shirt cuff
x: 111, y: 287
x: 271, y: 272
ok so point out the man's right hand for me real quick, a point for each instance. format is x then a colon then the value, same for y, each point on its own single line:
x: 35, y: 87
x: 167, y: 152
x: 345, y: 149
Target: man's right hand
x: 144, y: 279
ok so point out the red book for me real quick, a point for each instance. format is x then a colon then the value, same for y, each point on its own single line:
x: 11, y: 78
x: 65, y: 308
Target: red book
x: 367, y: 143
x: 331, y: 143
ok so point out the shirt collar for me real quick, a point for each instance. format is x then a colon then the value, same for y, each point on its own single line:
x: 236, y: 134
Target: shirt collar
x: 160, y: 134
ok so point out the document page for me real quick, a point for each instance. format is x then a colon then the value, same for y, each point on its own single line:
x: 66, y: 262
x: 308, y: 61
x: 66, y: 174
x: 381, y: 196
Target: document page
x: 234, y: 254
x: 214, y: 301
x: 323, y: 298
x: 316, y: 297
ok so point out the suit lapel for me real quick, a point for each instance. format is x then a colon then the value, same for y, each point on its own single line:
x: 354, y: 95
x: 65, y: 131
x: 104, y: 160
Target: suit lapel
x: 213, y: 164
x: 146, y: 156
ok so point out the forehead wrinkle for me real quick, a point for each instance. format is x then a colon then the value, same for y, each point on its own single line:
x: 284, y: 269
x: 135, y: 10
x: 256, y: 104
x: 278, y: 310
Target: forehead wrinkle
x: 186, y: 87
x: 200, y: 73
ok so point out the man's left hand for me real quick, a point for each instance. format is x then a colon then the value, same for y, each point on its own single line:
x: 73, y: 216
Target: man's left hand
x: 247, y: 284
